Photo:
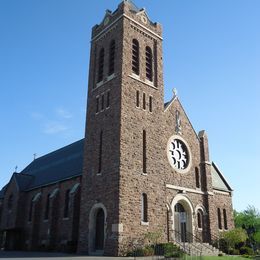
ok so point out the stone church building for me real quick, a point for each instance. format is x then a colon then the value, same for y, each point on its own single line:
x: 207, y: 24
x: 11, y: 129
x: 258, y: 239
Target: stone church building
x: 140, y: 168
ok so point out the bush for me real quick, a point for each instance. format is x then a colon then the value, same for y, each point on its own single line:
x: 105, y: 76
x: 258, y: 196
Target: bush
x: 245, y: 250
x: 171, y: 250
x: 234, y: 251
x: 146, y: 251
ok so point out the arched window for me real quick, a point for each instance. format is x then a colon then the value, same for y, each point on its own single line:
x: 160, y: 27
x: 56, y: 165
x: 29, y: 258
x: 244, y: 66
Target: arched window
x: 47, y: 207
x: 197, y: 177
x: 10, y: 201
x: 135, y: 56
x: 66, y: 204
x: 30, y: 210
x: 200, y: 218
x: 144, y: 208
x: 101, y: 64
x: 219, y: 219
x: 112, y: 50
x: 225, y: 218
x: 149, y: 63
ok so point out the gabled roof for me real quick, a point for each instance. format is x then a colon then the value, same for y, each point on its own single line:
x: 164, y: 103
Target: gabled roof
x: 59, y: 165
x: 218, y: 180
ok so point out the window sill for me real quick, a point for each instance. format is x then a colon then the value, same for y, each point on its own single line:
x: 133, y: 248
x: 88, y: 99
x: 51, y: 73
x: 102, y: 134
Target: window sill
x: 143, y: 223
x: 146, y: 82
x: 99, y: 174
x: 67, y: 218
x: 45, y: 220
x: 144, y: 173
x: 104, y: 81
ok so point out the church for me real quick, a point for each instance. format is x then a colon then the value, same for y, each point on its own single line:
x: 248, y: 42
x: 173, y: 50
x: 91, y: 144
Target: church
x: 140, y: 168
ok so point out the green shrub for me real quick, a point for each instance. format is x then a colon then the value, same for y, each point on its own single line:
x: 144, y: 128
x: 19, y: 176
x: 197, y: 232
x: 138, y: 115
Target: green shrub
x: 245, y: 250
x: 171, y: 250
x: 234, y: 251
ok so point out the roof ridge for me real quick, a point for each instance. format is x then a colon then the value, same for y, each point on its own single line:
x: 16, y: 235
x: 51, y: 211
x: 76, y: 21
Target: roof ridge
x: 57, y: 150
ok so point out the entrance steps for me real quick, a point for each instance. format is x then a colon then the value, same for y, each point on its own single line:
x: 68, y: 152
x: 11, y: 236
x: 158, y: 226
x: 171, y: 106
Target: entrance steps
x: 199, y: 249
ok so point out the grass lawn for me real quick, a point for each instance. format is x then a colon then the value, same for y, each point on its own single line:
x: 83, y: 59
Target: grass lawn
x: 215, y: 257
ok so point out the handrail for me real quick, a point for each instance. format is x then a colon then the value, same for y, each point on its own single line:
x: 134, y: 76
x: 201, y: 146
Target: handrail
x: 185, y: 244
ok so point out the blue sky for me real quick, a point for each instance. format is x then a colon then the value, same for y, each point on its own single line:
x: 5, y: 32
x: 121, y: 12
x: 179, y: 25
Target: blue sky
x: 211, y: 55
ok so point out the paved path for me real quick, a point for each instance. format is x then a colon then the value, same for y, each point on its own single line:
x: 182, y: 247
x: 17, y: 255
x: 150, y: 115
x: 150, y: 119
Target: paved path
x: 21, y: 255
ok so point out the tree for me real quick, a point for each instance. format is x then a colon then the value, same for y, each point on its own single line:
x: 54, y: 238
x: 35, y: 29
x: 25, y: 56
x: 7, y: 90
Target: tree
x: 249, y: 220
x: 235, y: 236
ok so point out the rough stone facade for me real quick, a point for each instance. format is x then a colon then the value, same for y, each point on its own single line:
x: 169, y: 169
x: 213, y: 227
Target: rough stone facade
x: 122, y: 178
x: 145, y: 169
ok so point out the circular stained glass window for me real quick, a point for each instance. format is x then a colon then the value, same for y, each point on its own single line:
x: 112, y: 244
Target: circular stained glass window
x: 178, y: 154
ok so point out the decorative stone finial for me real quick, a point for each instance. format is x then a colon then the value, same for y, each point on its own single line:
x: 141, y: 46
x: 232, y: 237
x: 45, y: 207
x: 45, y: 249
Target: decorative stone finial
x: 175, y: 92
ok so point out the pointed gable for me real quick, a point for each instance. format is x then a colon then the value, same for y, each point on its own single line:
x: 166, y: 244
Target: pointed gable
x: 218, y: 180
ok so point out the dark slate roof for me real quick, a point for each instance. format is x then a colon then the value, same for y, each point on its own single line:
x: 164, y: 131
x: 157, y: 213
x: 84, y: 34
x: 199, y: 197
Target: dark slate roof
x: 59, y: 165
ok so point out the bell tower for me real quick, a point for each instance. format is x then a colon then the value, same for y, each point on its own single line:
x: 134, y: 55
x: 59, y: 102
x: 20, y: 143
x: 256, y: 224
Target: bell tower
x: 124, y: 108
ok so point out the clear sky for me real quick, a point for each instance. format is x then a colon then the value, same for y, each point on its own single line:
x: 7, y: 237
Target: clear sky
x: 211, y: 55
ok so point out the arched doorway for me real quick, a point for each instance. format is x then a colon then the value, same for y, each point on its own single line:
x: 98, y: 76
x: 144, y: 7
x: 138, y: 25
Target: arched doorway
x: 97, y: 229
x: 100, y: 224
x: 182, y: 218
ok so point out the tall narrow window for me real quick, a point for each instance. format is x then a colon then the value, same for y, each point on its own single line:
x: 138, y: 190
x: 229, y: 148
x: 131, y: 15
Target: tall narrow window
x: 66, y: 204
x: 112, y: 50
x: 30, y: 211
x: 137, y: 98
x: 47, y: 207
x: 144, y: 208
x: 100, y: 152
x: 144, y: 101
x: 225, y: 218
x: 10, y: 201
x: 219, y: 219
x: 200, y: 218
x: 102, y: 102
x: 144, y: 152
x: 101, y: 64
x: 150, y: 104
x: 135, y: 56
x: 197, y: 177
x: 108, y: 99
x: 97, y: 104
x: 149, y: 63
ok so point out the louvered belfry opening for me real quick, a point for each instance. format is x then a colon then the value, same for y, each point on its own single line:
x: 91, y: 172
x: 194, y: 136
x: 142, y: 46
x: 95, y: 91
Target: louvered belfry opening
x: 112, y: 50
x: 149, y: 64
x: 135, y: 57
x: 101, y: 65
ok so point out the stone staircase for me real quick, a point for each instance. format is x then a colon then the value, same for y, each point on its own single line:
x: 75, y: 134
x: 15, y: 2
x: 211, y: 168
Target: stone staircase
x: 198, y: 249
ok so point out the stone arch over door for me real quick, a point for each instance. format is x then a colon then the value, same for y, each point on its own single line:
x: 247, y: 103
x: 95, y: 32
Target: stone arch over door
x: 97, y: 229
x: 182, y: 218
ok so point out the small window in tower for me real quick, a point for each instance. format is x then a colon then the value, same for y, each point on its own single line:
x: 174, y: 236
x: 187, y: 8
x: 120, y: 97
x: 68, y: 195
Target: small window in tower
x: 137, y: 98
x: 144, y: 152
x: 102, y: 102
x: 150, y: 104
x: 108, y: 99
x: 100, y: 152
x: 144, y: 101
x: 197, y: 177
x: 149, y: 63
x: 101, y: 64
x: 66, y: 204
x: 219, y: 219
x: 225, y: 219
x: 112, y: 57
x: 144, y: 208
x: 135, y: 56
x: 97, y: 104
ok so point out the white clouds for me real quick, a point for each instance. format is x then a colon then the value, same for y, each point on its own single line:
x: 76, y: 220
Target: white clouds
x: 62, y: 113
x: 58, y: 123
x: 54, y: 127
